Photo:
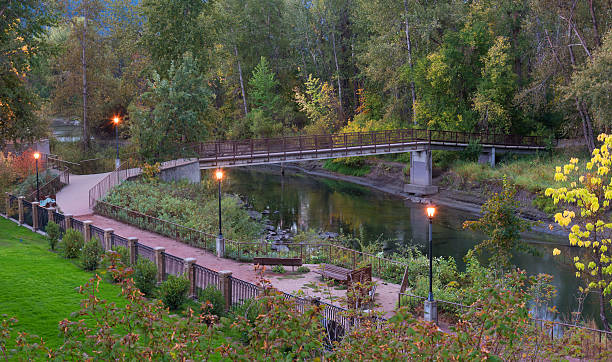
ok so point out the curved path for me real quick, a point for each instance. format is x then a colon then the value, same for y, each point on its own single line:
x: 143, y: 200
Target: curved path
x: 74, y: 197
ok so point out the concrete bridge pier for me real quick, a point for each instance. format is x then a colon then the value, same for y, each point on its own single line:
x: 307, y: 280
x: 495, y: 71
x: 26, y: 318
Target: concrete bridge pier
x: 420, y: 174
x: 487, y: 156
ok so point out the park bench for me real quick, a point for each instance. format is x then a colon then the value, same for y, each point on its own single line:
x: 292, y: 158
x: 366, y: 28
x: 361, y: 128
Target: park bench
x: 362, y: 275
x: 292, y: 262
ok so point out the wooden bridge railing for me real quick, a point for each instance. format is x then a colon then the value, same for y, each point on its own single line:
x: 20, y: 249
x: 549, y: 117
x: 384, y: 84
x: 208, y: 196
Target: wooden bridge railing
x: 354, y: 140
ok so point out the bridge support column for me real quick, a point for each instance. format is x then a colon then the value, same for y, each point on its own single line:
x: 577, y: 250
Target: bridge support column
x: 487, y: 156
x: 420, y: 174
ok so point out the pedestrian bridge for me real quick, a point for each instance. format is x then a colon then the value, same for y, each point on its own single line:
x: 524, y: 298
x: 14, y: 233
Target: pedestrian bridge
x: 419, y: 142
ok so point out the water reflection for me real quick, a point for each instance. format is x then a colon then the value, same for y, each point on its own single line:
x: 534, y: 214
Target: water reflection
x: 302, y: 202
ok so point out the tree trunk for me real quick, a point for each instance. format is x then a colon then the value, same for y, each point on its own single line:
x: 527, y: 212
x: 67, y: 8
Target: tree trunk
x: 84, y: 64
x: 244, y: 102
x: 587, y: 127
x: 595, y: 27
x: 337, y: 72
x: 409, y: 45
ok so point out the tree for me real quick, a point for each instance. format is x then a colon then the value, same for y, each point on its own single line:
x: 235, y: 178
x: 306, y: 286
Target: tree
x: 592, y: 84
x: 22, y: 24
x: 589, y: 192
x: 320, y: 105
x: 502, y: 223
x: 493, y: 99
x: 265, y: 101
x: 171, y: 113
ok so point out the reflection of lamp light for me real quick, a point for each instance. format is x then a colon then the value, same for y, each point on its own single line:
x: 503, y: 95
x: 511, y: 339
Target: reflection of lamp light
x: 36, y: 157
x: 431, y: 211
x: 116, y: 122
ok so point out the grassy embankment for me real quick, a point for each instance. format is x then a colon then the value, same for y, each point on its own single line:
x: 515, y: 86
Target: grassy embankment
x: 40, y: 288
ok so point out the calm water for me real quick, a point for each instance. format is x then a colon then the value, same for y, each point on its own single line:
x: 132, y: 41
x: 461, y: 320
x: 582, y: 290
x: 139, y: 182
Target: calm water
x: 301, y: 202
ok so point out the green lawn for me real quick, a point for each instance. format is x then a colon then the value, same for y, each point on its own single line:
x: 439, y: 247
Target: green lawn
x: 38, y: 287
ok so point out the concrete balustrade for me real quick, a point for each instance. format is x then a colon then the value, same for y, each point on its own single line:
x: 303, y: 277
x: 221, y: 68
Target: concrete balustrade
x: 68, y: 221
x: 20, y: 205
x: 132, y: 249
x: 188, y: 272
x: 225, y: 281
x: 160, y: 263
x: 108, y: 234
x: 87, y: 230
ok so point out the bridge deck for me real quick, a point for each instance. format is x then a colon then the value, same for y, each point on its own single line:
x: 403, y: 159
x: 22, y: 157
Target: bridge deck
x: 303, y: 148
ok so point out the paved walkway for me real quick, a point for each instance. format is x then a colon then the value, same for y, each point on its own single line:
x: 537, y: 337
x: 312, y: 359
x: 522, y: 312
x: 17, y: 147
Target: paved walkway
x: 74, y: 198
x: 386, y: 293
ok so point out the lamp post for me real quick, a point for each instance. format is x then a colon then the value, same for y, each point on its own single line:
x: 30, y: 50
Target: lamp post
x: 36, y: 157
x: 116, y: 122
x: 220, y: 241
x: 431, y: 308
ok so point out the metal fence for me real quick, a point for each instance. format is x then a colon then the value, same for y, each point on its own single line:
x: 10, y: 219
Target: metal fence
x: 52, y: 186
x: 60, y: 220
x: 204, y: 277
x: 98, y: 233
x: 242, y: 290
x: 43, y: 218
x: 117, y: 240
x: 353, y: 140
x: 182, y: 233
x: 145, y: 252
x: 173, y: 265
x: 27, y: 213
x: 78, y: 226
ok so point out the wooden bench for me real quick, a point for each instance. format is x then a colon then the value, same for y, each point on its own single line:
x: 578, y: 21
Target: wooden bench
x: 361, y: 275
x: 292, y: 262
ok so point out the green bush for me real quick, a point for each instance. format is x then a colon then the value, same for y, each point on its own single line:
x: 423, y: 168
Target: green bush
x: 303, y: 269
x: 173, y: 292
x: 279, y: 269
x: 352, y: 166
x: 145, y: 276
x: 72, y: 242
x: 215, y: 297
x: 545, y: 204
x: 90, y: 254
x: 53, y: 234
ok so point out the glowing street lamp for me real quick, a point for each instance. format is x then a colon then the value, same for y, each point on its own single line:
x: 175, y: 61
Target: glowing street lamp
x: 116, y: 122
x: 36, y: 157
x: 431, y: 211
x: 220, y: 241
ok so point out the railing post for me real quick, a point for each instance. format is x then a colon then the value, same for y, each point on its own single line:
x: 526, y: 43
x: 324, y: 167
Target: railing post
x: 225, y: 282
x: 8, y: 204
x: 108, y: 234
x: 188, y: 272
x: 132, y: 244
x: 35, y: 215
x: 50, y: 214
x: 87, y: 230
x: 160, y: 263
x: 431, y: 311
x: 68, y: 221
x: 20, y: 204
x: 354, y: 259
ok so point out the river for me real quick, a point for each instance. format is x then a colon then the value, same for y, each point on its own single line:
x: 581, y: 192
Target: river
x: 301, y: 202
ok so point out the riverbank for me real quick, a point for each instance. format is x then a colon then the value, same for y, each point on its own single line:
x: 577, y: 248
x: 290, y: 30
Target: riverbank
x: 389, y: 177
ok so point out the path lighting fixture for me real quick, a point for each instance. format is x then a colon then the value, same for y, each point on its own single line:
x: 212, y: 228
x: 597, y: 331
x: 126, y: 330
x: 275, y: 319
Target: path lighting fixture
x: 431, y: 211
x: 36, y: 157
x: 219, y: 175
x: 116, y: 122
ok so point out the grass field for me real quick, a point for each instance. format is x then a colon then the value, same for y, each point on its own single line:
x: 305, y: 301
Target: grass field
x: 39, y: 287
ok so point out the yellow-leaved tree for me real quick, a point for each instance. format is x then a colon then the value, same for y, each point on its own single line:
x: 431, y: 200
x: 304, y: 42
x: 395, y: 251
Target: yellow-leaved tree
x: 589, y: 195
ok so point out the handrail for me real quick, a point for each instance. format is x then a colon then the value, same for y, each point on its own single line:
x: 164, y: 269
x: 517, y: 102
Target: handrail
x: 361, y: 139
x: 63, y: 175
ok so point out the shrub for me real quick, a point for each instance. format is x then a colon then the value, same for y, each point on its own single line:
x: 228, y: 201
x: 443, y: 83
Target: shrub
x: 90, y: 254
x: 145, y: 276
x: 303, y: 269
x: 279, y: 269
x: 214, y: 296
x: 122, y: 255
x: 173, y: 292
x: 72, y: 242
x: 53, y: 234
